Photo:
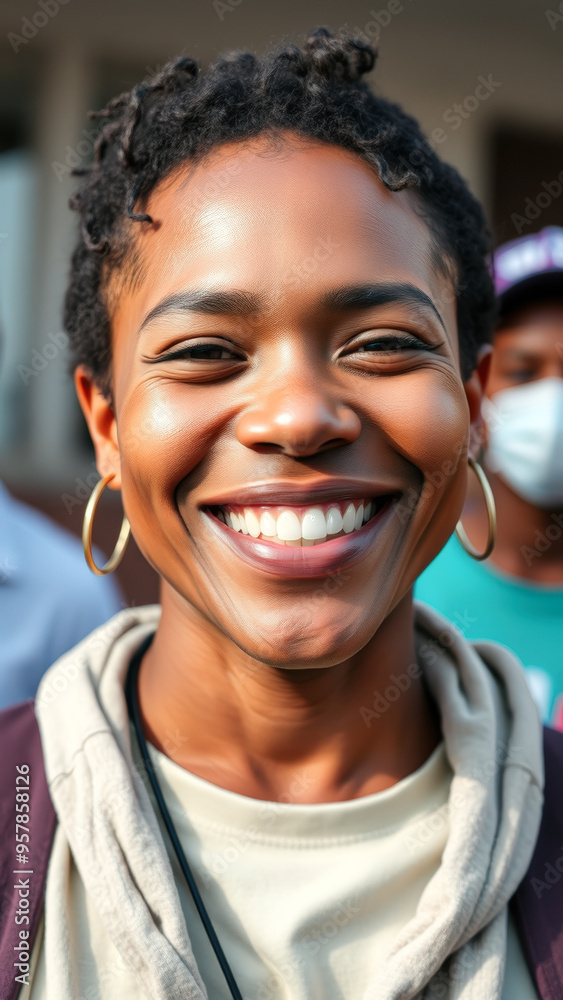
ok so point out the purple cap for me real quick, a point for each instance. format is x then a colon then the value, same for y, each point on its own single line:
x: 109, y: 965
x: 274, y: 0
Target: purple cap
x: 529, y: 266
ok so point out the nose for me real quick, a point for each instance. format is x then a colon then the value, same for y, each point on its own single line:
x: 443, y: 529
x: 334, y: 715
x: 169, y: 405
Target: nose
x: 300, y: 422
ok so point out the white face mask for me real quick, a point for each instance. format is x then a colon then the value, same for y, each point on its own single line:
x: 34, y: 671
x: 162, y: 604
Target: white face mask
x: 525, y: 434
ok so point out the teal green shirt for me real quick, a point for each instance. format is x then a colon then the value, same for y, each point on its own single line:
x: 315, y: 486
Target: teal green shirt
x: 486, y: 603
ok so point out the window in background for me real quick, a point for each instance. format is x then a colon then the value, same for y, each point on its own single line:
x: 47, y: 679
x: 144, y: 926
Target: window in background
x: 17, y: 230
x: 527, y: 181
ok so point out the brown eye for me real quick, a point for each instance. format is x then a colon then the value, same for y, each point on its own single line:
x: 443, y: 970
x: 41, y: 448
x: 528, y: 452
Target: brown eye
x: 202, y: 352
x: 207, y: 352
x: 392, y: 344
x: 522, y: 375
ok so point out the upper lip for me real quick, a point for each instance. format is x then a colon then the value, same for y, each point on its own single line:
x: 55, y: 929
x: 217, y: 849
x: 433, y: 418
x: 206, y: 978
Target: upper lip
x: 279, y: 493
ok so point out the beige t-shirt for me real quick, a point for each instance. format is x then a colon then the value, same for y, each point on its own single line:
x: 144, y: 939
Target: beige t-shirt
x: 305, y: 899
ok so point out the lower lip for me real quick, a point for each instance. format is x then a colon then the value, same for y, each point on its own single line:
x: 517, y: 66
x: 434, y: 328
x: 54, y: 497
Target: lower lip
x: 311, y: 561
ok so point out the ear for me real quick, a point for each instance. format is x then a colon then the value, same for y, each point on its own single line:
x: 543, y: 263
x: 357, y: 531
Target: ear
x: 100, y: 417
x: 474, y: 391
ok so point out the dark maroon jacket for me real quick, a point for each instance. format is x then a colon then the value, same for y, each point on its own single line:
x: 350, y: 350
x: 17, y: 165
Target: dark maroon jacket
x: 537, y: 904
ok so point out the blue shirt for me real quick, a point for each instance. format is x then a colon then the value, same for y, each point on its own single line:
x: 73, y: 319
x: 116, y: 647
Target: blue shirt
x: 486, y: 603
x: 49, y: 599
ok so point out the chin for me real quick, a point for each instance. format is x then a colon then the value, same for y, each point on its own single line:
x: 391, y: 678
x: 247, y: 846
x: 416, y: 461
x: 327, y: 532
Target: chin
x: 307, y: 638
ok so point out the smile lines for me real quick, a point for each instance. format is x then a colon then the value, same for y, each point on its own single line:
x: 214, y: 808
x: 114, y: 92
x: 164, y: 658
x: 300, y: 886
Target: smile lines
x: 302, y: 526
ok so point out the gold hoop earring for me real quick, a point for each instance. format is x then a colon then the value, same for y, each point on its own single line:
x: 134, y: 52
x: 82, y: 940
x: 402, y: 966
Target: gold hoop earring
x: 117, y: 554
x: 491, y: 512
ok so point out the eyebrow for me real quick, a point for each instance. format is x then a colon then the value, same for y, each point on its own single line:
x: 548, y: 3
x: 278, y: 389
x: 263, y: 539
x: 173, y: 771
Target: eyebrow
x: 520, y: 354
x: 381, y: 294
x: 242, y: 303
x: 213, y: 303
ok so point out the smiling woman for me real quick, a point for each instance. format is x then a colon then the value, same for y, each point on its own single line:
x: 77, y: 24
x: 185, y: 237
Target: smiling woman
x: 328, y: 812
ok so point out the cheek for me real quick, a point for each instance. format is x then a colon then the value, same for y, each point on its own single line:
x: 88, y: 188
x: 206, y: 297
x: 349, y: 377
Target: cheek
x: 428, y: 421
x: 165, y: 430
x: 430, y: 428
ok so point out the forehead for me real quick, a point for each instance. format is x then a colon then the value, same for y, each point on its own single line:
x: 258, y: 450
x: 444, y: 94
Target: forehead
x: 261, y: 215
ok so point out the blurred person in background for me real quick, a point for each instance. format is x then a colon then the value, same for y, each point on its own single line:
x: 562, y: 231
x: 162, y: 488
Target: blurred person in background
x: 49, y: 600
x: 516, y: 596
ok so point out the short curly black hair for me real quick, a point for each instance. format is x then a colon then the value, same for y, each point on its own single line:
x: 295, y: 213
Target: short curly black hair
x: 316, y: 91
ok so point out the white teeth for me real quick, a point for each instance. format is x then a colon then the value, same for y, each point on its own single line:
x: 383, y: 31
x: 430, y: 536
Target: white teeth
x: 333, y: 521
x: 288, y: 526
x: 252, y: 522
x: 313, y: 524
x: 349, y: 519
x: 359, y: 517
x: 268, y: 524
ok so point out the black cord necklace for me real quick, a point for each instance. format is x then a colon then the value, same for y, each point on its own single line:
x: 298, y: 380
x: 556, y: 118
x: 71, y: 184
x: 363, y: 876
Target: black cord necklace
x: 131, y: 692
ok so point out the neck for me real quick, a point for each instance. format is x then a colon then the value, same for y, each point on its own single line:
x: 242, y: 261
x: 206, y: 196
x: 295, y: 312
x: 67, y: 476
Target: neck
x: 281, y: 734
x: 529, y: 541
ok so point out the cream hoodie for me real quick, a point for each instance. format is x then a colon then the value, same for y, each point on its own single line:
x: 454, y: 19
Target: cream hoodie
x: 403, y: 892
